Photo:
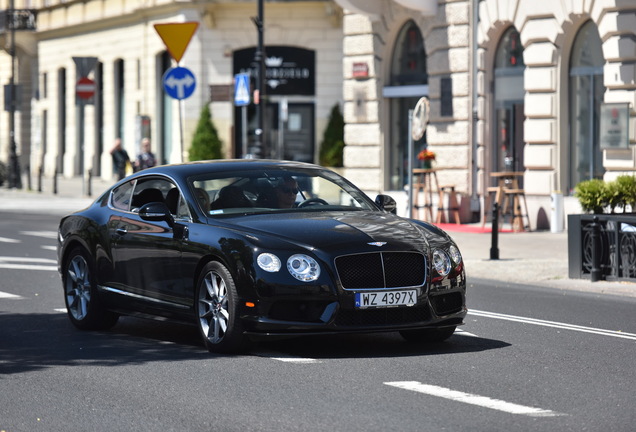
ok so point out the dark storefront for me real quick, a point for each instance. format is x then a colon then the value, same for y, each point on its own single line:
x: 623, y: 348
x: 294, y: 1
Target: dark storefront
x: 289, y: 120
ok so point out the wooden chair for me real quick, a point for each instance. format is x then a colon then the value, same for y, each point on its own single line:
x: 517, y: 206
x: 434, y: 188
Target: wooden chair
x: 448, y: 195
x: 516, y: 206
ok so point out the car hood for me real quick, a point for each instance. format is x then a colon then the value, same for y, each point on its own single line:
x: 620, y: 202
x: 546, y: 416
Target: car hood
x: 343, y: 230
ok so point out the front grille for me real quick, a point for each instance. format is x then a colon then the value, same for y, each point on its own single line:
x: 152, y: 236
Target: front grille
x: 447, y: 303
x: 383, y: 316
x: 381, y: 270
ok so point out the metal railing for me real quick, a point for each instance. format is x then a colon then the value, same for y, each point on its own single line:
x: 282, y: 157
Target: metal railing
x: 602, y: 247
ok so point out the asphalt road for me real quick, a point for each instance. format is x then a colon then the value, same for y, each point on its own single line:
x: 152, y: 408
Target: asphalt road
x: 530, y: 358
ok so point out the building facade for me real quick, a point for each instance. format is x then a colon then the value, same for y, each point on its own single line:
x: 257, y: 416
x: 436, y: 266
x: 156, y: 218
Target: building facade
x: 520, y: 85
x: 538, y: 87
x: 115, y: 46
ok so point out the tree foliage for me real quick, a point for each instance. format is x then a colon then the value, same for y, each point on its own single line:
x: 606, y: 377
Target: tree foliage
x: 206, y: 143
x: 332, y: 145
x: 595, y: 196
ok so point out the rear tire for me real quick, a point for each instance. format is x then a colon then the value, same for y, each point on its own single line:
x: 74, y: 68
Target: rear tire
x: 428, y: 335
x: 217, y: 310
x: 80, y: 294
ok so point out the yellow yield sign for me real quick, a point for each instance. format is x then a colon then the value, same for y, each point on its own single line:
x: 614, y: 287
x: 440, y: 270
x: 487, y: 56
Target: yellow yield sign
x: 176, y: 37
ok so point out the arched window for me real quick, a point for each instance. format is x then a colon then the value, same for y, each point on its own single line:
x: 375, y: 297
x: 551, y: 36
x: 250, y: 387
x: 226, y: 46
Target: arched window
x: 409, y: 58
x: 407, y: 83
x: 509, y: 104
x: 586, y: 95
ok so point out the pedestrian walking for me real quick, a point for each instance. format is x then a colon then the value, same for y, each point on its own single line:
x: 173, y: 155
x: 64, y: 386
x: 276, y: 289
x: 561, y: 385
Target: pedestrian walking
x: 120, y: 159
x: 145, y: 159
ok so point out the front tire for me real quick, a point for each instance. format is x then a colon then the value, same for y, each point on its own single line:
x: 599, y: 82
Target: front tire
x: 428, y: 335
x: 80, y: 294
x: 217, y: 310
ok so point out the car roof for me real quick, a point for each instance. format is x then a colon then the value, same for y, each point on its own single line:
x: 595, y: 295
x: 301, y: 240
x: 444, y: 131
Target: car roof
x: 188, y: 169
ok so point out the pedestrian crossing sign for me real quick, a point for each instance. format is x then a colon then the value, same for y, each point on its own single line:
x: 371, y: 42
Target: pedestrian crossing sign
x: 241, y: 89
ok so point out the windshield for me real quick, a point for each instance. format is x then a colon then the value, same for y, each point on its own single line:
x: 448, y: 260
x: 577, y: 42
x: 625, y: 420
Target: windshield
x: 276, y: 190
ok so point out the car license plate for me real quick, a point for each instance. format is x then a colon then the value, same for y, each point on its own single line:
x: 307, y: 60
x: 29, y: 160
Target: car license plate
x: 385, y: 298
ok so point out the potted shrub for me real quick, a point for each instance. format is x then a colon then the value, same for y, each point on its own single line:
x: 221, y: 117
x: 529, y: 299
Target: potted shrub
x: 593, y: 195
x: 596, y: 196
x: 600, y: 244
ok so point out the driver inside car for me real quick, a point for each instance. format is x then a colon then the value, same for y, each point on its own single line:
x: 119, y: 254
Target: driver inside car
x: 286, y: 192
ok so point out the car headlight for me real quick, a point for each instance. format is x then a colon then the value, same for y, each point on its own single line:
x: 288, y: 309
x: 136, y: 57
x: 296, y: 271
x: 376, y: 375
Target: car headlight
x: 268, y: 262
x: 454, y: 254
x: 441, y: 262
x: 303, y: 267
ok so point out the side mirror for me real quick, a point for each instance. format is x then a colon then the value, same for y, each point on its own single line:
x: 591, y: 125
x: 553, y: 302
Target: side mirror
x: 386, y: 203
x: 156, y: 211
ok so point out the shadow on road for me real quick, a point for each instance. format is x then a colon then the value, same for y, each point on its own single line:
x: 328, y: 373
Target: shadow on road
x: 31, y: 342
x: 35, y: 341
x: 378, y: 345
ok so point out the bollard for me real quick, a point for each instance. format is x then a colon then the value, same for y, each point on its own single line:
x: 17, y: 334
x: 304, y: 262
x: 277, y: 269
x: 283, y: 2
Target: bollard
x: 27, y: 171
x: 40, y: 174
x: 595, y: 273
x: 494, y: 247
x: 90, y: 177
x: 55, y: 183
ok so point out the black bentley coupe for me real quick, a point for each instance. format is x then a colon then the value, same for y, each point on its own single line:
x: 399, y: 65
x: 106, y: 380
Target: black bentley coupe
x: 252, y: 248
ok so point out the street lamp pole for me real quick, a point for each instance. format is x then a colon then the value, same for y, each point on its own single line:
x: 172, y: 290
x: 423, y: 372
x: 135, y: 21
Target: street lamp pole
x: 14, y: 165
x: 259, y: 58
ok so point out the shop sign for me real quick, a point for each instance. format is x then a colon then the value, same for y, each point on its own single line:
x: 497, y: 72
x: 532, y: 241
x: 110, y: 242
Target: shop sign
x: 614, y: 125
x: 288, y: 70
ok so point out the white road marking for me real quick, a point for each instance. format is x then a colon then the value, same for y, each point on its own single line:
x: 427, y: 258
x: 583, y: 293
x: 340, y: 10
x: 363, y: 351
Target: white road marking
x: 27, y: 267
x: 26, y: 263
x: 9, y: 296
x: 612, y: 333
x: 9, y: 240
x: 27, y: 259
x: 61, y: 310
x: 461, y: 332
x: 45, y: 234
x: 287, y: 358
x: 299, y: 360
x: 53, y: 248
x: 473, y: 399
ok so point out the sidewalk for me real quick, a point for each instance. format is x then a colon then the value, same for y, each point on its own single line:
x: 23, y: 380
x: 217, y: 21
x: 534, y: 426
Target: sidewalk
x: 538, y: 258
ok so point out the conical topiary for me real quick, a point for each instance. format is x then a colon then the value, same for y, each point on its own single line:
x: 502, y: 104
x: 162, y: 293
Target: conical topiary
x: 206, y: 143
x: 332, y: 144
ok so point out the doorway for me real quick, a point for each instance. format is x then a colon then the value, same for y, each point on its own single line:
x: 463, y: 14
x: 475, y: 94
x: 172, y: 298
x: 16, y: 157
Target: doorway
x: 289, y: 130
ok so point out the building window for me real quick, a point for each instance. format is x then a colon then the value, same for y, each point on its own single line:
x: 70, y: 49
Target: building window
x: 408, y: 82
x: 509, y: 104
x: 586, y: 94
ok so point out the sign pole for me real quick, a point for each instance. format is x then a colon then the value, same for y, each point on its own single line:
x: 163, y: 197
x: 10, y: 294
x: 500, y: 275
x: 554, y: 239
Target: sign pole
x: 242, y: 99
x: 244, y: 129
x: 84, y: 91
x: 410, y: 165
x: 181, y: 129
x: 178, y: 82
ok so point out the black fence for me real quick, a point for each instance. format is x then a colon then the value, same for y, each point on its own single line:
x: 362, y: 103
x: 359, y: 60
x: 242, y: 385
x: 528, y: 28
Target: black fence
x: 602, y: 247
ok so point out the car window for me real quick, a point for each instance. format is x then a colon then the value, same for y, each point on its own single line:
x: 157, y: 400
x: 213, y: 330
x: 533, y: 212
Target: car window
x: 277, y: 190
x: 177, y: 204
x: 122, y: 195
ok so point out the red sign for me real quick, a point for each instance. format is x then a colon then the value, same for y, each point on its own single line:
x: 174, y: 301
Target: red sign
x: 360, y: 70
x: 85, y: 88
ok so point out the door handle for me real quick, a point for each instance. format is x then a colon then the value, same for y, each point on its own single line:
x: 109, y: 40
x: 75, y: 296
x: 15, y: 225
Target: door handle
x: 121, y: 231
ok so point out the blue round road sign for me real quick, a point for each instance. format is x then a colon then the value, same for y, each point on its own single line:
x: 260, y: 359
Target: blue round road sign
x: 179, y: 82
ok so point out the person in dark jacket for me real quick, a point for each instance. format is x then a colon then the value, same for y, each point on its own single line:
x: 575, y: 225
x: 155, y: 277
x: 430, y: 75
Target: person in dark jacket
x: 120, y: 159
